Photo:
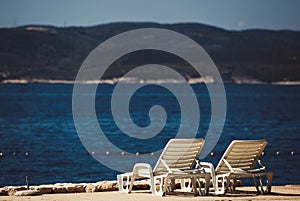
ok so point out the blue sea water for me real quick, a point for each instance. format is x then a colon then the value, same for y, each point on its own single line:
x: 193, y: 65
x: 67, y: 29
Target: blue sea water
x: 38, y: 137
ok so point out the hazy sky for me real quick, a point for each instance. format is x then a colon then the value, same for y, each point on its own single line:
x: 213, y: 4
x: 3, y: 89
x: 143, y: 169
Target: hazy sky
x: 228, y: 14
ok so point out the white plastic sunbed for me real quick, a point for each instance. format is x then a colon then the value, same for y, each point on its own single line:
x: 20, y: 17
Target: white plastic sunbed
x: 175, y: 162
x: 239, y: 161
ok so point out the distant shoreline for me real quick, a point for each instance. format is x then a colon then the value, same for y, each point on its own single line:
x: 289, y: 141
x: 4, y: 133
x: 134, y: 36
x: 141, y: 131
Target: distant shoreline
x: 134, y: 81
x: 56, y: 54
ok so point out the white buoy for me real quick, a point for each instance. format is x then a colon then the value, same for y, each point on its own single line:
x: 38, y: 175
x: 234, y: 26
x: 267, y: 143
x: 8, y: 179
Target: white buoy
x: 152, y: 154
x: 1, y: 154
x: 93, y: 153
x: 277, y: 153
x: 137, y: 153
x: 14, y: 153
x: 122, y: 153
x: 262, y: 153
x: 26, y: 154
x: 292, y: 153
x: 107, y: 153
x: 212, y: 153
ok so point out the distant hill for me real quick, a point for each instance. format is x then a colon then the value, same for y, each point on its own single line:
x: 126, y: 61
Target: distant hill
x: 46, y: 52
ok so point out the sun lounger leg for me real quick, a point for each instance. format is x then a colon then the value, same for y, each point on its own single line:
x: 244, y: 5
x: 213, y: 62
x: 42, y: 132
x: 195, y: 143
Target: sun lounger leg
x: 121, y: 183
x: 234, y: 183
x: 224, y: 182
x: 183, y: 184
x: 131, y: 183
x: 269, y: 177
x: 152, y: 185
x: 165, y: 184
x: 172, y: 184
x: 255, y: 184
x: 194, y: 185
x: 227, y: 180
x: 160, y: 191
x: 261, y: 185
x: 207, y: 184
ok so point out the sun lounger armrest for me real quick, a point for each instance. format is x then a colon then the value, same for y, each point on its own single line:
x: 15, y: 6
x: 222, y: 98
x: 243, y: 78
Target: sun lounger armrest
x: 208, y: 167
x: 262, y: 167
x: 198, y: 165
x: 206, y: 164
x: 142, y: 169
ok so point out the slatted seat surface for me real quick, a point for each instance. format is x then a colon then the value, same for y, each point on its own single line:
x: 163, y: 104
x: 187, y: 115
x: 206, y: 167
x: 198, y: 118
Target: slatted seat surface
x: 241, y: 155
x: 178, y: 154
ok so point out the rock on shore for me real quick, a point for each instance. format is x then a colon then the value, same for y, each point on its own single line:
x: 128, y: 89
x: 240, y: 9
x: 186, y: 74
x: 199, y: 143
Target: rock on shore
x: 80, y: 187
x: 66, y: 188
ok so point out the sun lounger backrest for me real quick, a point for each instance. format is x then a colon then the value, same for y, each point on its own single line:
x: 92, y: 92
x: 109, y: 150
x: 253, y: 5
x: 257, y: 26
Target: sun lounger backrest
x: 241, y: 155
x: 178, y: 154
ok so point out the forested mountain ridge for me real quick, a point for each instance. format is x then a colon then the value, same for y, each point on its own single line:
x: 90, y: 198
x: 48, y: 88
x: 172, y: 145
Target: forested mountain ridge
x: 56, y: 53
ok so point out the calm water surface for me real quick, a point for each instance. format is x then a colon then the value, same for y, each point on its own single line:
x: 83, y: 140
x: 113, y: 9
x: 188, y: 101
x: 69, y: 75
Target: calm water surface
x: 38, y: 137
